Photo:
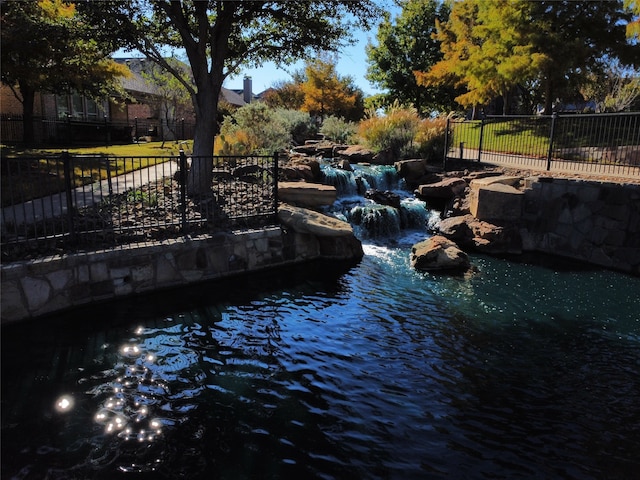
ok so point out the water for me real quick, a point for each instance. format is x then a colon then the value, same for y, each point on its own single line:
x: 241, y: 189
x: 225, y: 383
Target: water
x: 372, y: 371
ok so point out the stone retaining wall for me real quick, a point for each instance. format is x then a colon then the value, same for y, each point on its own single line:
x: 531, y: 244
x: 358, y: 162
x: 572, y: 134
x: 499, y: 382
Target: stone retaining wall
x: 37, y: 287
x: 596, y: 222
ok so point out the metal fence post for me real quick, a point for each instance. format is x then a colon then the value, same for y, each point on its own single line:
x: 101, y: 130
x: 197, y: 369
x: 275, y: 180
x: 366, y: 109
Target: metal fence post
x: 551, y: 134
x: 182, y: 180
x: 481, y: 135
x: 275, y: 185
x: 66, y: 167
x: 446, y: 144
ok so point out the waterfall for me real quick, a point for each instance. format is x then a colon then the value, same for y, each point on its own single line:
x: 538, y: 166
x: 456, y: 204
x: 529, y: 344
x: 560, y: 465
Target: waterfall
x: 371, y: 220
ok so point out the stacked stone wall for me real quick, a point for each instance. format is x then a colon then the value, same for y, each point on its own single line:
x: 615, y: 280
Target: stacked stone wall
x: 595, y: 222
x: 37, y: 287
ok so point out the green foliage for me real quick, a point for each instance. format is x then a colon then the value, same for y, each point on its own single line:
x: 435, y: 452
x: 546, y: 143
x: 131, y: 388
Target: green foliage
x: 493, y: 46
x: 47, y: 47
x: 257, y: 128
x: 298, y: 124
x: 338, y: 129
x: 394, y: 131
x: 402, y: 132
x: 404, y: 45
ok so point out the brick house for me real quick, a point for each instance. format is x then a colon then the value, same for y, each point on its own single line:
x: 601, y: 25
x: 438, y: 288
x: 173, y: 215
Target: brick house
x: 74, y: 118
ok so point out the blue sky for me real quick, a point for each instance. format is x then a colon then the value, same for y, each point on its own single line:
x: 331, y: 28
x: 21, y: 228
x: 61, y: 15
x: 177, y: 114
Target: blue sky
x: 352, y: 62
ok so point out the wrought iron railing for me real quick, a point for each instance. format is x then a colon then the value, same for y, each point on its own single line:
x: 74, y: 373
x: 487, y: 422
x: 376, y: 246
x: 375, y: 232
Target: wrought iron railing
x: 71, y: 202
x: 594, y: 143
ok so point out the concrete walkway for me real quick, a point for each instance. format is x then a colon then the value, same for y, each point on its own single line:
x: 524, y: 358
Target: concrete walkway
x: 53, y: 206
x: 586, y: 169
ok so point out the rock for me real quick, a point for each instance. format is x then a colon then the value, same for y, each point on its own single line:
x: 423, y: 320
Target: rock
x: 345, y: 165
x: 469, y: 232
x: 298, y: 172
x: 416, y: 172
x: 384, y: 198
x: 445, y: 189
x: 303, y: 220
x: 307, y: 194
x: 496, y: 202
x: 458, y: 229
x: 357, y: 154
x: 438, y: 254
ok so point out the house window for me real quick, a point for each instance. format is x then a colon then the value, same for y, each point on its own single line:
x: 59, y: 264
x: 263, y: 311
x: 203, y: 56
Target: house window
x: 79, y: 107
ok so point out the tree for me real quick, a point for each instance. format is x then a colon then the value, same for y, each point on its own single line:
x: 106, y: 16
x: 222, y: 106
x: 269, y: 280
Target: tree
x: 578, y: 38
x: 327, y: 93
x: 490, y: 46
x: 285, y: 94
x: 633, y: 27
x: 407, y: 44
x: 614, y: 89
x: 47, y: 47
x: 487, y: 48
x: 171, y: 95
x: 219, y: 37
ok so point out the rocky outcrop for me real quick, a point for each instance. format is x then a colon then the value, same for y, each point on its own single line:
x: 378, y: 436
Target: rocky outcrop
x: 333, y: 238
x: 447, y: 188
x: 438, y: 254
x: 303, y: 220
x: 416, y: 172
x: 306, y: 194
x: 471, y: 233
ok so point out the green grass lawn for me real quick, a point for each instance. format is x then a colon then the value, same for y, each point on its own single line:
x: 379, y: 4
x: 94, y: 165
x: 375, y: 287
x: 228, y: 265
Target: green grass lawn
x: 525, y: 138
x: 127, y: 150
x: 33, y: 172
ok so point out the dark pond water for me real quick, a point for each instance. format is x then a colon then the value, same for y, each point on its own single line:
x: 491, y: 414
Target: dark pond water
x: 371, y: 371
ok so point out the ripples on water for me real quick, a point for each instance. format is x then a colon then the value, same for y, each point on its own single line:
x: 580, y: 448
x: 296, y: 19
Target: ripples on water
x: 373, y: 372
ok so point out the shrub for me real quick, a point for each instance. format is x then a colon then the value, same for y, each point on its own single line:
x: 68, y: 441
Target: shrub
x: 338, y: 129
x: 430, y: 137
x: 299, y: 124
x: 402, y: 132
x: 393, y: 131
x: 253, y: 128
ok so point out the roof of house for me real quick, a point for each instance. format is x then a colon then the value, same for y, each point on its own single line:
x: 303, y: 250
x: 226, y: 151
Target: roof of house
x: 136, y: 83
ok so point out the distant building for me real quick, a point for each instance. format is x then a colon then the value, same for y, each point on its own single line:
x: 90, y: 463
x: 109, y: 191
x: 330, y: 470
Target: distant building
x: 76, y: 118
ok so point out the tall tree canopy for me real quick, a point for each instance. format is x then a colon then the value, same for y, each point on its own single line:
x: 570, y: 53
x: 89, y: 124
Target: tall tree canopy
x: 490, y: 46
x: 48, y: 47
x: 327, y: 93
x: 405, y: 44
x: 219, y: 37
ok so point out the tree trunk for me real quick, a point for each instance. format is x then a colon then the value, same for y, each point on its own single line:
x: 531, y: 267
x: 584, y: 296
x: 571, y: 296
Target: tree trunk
x: 28, y: 100
x: 200, y: 174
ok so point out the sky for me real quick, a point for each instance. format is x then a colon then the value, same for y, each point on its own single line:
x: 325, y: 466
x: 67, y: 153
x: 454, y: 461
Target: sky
x: 352, y: 62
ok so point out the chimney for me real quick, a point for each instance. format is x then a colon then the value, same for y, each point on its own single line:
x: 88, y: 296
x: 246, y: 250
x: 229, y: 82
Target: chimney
x: 247, y: 90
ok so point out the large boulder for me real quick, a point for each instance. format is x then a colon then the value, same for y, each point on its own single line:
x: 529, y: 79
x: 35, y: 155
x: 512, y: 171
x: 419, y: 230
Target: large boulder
x: 445, y: 189
x: 438, y: 254
x: 357, y: 154
x: 306, y: 194
x: 322, y: 235
x: 416, y: 172
x: 303, y: 220
x: 496, y: 198
x: 469, y: 232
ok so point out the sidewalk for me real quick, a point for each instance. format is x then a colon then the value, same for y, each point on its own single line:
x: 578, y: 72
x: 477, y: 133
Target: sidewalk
x: 55, y: 205
x: 586, y: 169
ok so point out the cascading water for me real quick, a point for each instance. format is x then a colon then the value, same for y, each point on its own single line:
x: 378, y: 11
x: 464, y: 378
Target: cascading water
x: 372, y: 220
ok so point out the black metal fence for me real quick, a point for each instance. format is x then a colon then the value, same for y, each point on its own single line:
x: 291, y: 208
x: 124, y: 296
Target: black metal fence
x: 68, y: 202
x: 71, y: 131
x: 595, y: 143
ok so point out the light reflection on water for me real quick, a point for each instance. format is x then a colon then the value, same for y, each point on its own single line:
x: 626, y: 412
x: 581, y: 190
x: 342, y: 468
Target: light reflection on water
x: 515, y: 371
